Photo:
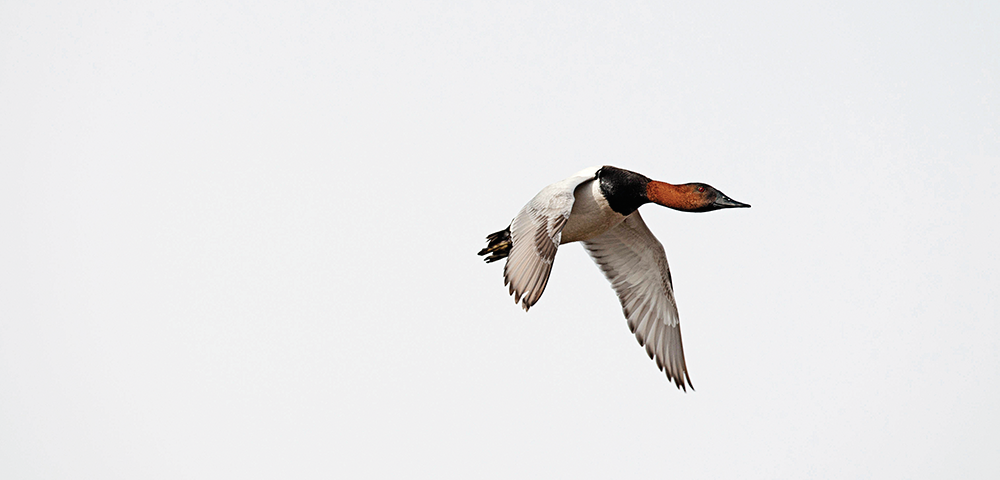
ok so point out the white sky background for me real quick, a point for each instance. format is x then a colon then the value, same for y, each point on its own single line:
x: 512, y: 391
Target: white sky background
x: 239, y: 241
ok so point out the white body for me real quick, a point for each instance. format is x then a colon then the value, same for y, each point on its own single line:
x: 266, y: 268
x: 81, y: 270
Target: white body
x: 591, y: 216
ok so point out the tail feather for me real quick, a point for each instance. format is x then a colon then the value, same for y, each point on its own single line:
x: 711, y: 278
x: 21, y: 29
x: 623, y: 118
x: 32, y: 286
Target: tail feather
x: 498, y: 246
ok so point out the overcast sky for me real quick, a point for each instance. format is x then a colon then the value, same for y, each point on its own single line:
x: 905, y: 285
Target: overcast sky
x: 239, y: 240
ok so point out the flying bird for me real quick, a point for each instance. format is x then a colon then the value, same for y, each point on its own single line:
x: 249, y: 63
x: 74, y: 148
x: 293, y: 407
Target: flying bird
x: 599, y: 206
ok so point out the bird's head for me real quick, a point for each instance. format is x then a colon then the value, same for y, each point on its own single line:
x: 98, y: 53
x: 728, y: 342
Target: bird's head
x: 690, y: 197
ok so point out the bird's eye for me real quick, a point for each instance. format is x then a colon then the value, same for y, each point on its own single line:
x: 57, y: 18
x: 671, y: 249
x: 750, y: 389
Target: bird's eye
x: 701, y: 189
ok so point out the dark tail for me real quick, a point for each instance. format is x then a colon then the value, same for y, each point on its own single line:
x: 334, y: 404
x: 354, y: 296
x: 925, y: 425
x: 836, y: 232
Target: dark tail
x: 498, y: 246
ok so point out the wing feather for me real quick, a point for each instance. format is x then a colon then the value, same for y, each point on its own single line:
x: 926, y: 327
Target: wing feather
x: 634, y: 262
x: 535, y: 235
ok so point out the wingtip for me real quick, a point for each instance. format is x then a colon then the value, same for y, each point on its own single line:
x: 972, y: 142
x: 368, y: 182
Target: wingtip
x: 679, y: 381
x: 526, y: 300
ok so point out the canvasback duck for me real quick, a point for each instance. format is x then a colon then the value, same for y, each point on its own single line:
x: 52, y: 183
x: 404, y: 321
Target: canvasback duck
x: 599, y: 207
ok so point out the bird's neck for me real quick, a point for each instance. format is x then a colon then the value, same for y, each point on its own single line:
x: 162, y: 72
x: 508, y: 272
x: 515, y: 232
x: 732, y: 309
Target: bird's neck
x: 669, y: 195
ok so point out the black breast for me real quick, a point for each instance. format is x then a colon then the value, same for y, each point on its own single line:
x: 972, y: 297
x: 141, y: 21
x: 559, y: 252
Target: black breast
x: 625, y: 190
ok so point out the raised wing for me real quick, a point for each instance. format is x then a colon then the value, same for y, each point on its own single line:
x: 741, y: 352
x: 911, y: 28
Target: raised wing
x: 636, y: 265
x: 536, y: 232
